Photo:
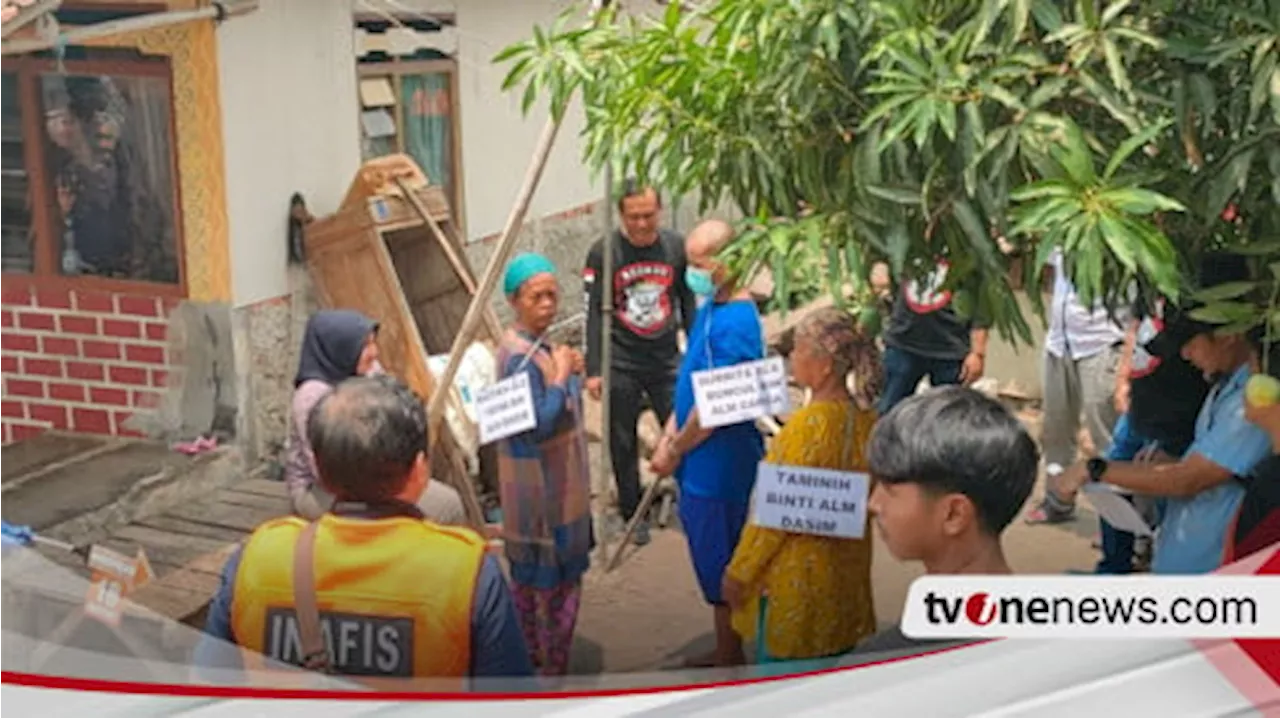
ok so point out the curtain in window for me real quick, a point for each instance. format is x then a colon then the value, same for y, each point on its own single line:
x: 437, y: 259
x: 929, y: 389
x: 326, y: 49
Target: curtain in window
x: 428, y: 125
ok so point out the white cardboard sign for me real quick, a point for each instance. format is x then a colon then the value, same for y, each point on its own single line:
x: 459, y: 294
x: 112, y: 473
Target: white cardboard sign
x: 505, y: 408
x: 802, y: 499
x: 744, y: 392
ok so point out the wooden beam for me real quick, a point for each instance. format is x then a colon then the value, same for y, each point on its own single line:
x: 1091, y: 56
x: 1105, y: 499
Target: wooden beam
x: 27, y: 15
x: 150, y: 21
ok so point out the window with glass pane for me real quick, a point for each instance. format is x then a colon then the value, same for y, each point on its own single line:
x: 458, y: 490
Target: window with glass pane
x: 428, y: 125
x: 108, y: 165
x: 15, y: 200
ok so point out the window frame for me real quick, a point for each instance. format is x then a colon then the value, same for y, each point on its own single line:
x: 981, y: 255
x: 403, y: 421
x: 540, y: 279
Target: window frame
x: 394, y: 69
x: 46, y: 267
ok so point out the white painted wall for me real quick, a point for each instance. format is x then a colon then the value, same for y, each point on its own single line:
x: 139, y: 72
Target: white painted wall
x: 497, y: 139
x: 290, y: 124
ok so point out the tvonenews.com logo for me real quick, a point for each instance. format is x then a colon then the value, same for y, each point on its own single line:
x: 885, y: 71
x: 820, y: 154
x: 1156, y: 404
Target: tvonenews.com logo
x: 984, y: 609
x: 1093, y: 607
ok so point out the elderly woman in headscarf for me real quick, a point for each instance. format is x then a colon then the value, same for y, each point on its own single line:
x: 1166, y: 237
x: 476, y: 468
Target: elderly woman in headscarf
x: 543, y: 473
x: 805, y: 596
x: 340, y: 344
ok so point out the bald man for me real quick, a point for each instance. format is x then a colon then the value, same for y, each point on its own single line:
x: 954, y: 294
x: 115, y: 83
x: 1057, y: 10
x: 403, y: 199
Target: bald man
x: 715, y: 468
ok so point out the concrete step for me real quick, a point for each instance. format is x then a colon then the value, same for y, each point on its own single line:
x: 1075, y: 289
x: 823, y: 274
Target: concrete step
x: 79, y: 489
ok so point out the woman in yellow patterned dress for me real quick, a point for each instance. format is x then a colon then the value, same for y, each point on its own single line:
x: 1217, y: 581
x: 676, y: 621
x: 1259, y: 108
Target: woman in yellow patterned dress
x: 804, y: 596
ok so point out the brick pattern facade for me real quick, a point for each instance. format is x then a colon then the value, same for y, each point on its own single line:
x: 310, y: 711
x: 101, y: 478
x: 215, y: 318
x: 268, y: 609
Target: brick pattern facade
x: 80, y: 361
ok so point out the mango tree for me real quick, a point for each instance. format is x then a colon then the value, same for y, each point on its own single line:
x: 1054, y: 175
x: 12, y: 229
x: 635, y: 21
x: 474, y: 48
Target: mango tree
x: 1132, y: 135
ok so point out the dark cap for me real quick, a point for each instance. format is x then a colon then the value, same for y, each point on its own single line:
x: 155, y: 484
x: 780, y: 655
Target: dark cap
x: 1179, y: 326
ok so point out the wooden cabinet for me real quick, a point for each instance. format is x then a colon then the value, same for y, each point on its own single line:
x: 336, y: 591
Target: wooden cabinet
x: 379, y: 255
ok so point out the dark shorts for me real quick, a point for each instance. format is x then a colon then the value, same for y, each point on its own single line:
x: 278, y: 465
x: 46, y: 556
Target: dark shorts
x: 712, y: 529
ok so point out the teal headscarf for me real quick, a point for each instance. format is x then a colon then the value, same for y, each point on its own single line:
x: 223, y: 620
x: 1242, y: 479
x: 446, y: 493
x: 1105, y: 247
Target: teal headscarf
x: 523, y: 268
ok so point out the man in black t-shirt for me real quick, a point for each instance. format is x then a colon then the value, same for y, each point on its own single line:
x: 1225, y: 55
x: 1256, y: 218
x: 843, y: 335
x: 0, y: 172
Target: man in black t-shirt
x: 1158, y: 395
x: 926, y: 337
x: 651, y: 304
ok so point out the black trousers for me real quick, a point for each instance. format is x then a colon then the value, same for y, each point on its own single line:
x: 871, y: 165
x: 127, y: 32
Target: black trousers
x: 627, y: 395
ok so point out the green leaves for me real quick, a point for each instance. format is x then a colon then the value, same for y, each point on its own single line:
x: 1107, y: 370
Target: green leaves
x: 1131, y: 135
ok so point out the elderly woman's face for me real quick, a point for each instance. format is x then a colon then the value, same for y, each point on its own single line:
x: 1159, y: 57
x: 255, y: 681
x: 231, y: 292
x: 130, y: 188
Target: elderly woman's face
x: 811, y: 367
x: 537, y: 301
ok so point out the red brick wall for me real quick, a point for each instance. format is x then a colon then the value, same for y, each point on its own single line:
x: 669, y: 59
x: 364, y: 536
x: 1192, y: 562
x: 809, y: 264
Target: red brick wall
x: 80, y: 361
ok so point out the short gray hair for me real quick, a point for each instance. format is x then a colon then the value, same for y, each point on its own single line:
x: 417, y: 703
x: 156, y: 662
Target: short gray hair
x: 366, y: 435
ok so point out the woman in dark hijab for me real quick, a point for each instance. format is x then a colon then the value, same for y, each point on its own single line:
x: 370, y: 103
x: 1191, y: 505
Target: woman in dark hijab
x: 338, y: 345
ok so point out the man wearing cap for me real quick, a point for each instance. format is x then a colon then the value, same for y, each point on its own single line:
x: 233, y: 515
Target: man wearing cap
x: 1158, y: 395
x: 1200, y: 496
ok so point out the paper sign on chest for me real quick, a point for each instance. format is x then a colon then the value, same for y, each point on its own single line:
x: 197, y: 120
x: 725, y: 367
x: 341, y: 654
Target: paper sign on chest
x: 801, y: 499
x: 505, y: 408
x: 744, y: 392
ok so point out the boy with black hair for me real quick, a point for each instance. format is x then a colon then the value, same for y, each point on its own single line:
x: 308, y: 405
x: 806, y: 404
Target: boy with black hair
x: 952, y: 468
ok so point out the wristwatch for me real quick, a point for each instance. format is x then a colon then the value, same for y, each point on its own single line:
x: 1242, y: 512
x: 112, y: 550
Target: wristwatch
x: 1096, y: 467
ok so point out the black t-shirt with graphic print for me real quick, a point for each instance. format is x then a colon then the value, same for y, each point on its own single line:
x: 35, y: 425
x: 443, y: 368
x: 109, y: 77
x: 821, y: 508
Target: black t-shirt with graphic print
x: 924, y: 323
x: 651, y: 303
x: 1165, y: 391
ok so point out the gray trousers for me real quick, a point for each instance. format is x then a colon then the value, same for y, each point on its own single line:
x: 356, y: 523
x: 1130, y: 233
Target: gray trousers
x: 1075, y: 391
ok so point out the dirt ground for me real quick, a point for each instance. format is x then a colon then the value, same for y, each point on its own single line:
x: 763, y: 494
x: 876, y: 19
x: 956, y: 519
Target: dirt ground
x: 648, y: 613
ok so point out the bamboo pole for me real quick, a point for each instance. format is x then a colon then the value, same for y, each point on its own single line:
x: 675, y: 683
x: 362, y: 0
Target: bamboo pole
x: 606, y: 338
x: 150, y: 21
x: 460, y: 265
x: 479, y: 302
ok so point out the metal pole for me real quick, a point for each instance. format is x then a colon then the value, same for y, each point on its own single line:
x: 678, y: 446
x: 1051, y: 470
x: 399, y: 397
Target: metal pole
x: 606, y: 331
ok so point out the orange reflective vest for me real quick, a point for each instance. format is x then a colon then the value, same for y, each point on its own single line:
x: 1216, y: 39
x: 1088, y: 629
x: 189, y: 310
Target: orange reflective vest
x: 395, y: 595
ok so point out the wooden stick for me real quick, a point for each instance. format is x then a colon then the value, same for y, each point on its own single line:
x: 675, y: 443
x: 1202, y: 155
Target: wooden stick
x: 766, y: 425
x: 645, y: 502
x: 471, y: 321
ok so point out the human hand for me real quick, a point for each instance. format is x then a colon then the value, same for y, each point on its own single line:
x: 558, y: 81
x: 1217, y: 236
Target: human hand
x: 1122, y: 396
x: 562, y: 356
x: 579, y: 363
x: 972, y: 368
x: 595, y: 387
x: 665, y: 460
x: 732, y: 592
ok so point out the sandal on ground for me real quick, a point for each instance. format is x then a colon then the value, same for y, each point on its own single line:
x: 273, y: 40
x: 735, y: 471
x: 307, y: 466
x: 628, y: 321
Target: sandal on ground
x: 1047, y: 513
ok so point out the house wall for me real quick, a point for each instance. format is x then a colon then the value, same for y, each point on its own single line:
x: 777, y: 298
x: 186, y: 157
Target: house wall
x: 567, y: 212
x: 290, y: 121
x: 105, y: 361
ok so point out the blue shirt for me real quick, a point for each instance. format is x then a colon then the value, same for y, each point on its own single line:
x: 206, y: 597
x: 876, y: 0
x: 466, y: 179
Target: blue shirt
x: 1193, y: 529
x: 498, y: 647
x: 724, y: 466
